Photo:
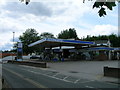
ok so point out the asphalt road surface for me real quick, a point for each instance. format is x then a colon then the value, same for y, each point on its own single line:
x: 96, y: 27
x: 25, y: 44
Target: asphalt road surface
x: 21, y: 76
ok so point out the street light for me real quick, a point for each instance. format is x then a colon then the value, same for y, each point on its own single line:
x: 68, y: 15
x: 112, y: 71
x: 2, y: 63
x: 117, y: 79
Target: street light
x: 13, y: 45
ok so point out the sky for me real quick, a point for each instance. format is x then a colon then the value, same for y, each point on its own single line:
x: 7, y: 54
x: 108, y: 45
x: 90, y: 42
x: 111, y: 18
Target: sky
x: 53, y: 16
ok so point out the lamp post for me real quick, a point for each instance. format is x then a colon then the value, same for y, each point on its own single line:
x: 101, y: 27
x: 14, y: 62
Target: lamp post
x: 13, y: 45
x: 109, y: 45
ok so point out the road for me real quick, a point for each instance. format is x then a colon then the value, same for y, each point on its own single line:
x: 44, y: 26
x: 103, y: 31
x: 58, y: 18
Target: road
x: 21, y: 76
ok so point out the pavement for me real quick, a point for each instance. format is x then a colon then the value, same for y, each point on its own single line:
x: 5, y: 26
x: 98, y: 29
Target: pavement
x: 13, y: 58
x: 92, y: 70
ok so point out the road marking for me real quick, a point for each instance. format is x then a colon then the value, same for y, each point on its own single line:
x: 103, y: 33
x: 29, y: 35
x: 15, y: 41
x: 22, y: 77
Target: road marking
x: 65, y: 77
x: 89, y: 87
x: 37, y: 68
x: 27, y: 66
x: 87, y: 81
x: 93, y: 87
x: 48, y: 76
x: 76, y: 81
x: 38, y: 85
x: 56, y: 74
x: 48, y: 73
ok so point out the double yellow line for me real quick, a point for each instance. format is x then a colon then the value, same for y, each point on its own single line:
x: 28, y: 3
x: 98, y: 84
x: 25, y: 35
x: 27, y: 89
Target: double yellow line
x: 38, y: 85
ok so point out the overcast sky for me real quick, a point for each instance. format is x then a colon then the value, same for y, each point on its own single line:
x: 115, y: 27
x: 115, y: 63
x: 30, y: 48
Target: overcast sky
x: 53, y: 16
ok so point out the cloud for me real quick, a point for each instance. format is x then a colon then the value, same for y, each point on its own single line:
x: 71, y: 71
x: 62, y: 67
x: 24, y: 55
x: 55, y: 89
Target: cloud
x: 8, y: 25
x: 97, y: 30
x: 69, y: 11
x: 16, y: 39
x: 7, y: 46
x: 17, y: 9
x: 105, y: 29
x: 51, y: 16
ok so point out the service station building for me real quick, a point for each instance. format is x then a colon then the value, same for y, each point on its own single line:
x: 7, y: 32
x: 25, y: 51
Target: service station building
x: 66, y: 49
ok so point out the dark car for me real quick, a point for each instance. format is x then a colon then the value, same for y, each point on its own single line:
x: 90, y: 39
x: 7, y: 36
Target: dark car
x: 34, y: 57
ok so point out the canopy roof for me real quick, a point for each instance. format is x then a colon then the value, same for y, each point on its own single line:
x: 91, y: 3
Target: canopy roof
x: 50, y: 42
x: 104, y: 48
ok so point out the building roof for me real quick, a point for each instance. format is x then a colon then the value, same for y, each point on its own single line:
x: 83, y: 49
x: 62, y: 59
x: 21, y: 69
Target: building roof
x: 50, y: 42
x: 104, y: 48
x: 101, y: 41
x: 101, y: 48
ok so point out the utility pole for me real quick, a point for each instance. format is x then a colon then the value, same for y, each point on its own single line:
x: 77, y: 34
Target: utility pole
x: 13, y: 45
x: 109, y: 45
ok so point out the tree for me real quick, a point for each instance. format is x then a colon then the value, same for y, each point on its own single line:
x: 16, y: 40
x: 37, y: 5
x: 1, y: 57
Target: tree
x: 68, y: 34
x: 102, y: 5
x: 114, y: 39
x: 98, y: 4
x: 26, y: 1
x: 46, y: 35
x: 28, y: 37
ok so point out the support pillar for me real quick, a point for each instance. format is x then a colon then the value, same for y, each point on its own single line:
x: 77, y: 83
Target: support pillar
x: 43, y: 52
x: 109, y: 55
x: 50, y: 53
x: 60, y: 55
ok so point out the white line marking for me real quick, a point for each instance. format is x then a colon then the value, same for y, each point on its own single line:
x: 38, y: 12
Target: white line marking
x: 65, y: 77
x: 27, y: 66
x: 93, y: 87
x: 48, y: 73
x: 89, y: 87
x: 48, y: 76
x: 76, y: 81
x: 56, y: 74
x: 45, y: 69
x: 87, y: 81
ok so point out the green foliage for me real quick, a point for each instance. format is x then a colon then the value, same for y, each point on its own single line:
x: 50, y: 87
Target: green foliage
x: 102, y: 6
x: 114, y: 39
x: 28, y: 37
x: 68, y: 34
x: 47, y: 35
x: 26, y: 1
x: 110, y: 5
x: 102, y: 12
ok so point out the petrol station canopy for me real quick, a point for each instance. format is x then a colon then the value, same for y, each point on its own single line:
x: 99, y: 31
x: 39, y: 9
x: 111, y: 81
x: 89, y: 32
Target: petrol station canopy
x: 50, y: 42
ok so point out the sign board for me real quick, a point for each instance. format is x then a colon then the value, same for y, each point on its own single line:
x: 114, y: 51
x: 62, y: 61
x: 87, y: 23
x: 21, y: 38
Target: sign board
x: 19, y: 45
x: 19, y: 49
x: 19, y: 52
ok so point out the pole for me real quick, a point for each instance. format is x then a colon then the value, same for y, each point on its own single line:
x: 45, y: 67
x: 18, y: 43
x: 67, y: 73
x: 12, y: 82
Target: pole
x: 13, y: 45
x: 109, y: 45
